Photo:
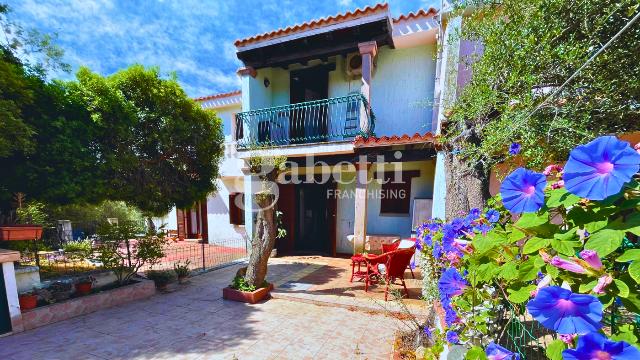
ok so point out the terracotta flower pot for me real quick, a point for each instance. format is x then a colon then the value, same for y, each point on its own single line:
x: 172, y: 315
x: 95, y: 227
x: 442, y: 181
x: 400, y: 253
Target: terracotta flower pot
x: 250, y: 297
x: 20, y: 232
x: 83, y: 288
x: 28, y: 302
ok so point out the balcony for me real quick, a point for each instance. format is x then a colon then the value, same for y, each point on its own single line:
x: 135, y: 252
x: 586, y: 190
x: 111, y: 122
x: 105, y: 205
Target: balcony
x: 320, y: 121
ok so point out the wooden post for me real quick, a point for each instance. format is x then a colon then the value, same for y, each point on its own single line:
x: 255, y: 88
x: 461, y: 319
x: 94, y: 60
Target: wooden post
x: 360, y: 221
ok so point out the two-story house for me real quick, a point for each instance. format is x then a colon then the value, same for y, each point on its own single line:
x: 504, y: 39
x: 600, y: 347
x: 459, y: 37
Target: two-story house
x: 348, y: 100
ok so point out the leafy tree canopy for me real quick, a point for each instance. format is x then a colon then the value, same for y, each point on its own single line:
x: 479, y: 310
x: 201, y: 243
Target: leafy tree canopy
x: 156, y: 148
x: 530, y: 48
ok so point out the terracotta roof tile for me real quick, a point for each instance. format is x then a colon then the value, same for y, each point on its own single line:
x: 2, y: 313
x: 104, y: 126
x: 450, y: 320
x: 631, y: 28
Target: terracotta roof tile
x: 314, y: 24
x: 218, y: 96
x: 418, y: 14
x: 405, y: 139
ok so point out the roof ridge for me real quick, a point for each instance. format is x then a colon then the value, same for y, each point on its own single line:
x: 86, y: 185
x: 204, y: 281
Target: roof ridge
x: 218, y: 96
x: 419, y: 13
x: 311, y: 23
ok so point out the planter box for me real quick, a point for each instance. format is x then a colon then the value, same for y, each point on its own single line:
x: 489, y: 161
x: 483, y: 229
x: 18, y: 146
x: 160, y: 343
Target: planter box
x: 20, y: 232
x: 246, y: 297
x: 49, y: 314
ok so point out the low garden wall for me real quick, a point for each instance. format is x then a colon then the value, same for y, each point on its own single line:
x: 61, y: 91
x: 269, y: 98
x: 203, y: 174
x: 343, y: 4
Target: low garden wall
x: 49, y: 314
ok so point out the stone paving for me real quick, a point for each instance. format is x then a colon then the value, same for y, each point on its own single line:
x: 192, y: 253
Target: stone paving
x: 193, y: 322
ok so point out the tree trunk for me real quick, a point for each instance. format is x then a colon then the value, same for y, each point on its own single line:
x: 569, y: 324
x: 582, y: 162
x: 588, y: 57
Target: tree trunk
x: 467, y: 186
x: 263, y: 241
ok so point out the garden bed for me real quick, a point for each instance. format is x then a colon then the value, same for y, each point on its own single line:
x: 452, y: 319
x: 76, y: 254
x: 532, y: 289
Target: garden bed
x: 102, y: 299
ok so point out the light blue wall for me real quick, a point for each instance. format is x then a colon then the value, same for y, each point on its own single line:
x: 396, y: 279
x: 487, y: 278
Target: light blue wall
x: 421, y: 188
x: 402, y: 90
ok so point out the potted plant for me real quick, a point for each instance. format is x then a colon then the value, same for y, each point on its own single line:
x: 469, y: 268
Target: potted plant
x: 160, y: 277
x: 240, y: 290
x: 84, y: 284
x: 182, y: 270
x: 60, y: 291
x: 22, y: 226
x: 28, y: 300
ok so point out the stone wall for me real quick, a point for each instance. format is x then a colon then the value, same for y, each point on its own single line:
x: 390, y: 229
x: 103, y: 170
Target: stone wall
x: 49, y: 314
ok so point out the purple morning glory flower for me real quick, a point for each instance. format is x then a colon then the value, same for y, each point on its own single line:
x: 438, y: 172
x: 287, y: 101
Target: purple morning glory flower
x: 484, y: 228
x: 475, y: 213
x: 452, y: 337
x: 492, y: 216
x: 600, y: 168
x: 450, y: 316
x: 497, y: 352
x: 564, y: 312
x: 427, y: 332
x: 515, y: 148
x: 595, y: 346
x: 523, y: 191
x: 451, y: 283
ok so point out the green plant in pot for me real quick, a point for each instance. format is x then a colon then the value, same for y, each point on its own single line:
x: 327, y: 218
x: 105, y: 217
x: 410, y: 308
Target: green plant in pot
x: 160, y: 277
x: 182, y: 270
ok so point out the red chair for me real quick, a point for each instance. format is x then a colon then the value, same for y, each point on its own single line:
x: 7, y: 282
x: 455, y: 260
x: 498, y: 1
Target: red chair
x: 400, y: 244
x: 390, y: 266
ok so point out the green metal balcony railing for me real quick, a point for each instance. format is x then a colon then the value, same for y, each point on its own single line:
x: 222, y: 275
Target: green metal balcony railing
x: 326, y: 120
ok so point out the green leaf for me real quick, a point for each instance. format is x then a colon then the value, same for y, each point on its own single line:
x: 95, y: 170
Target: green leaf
x: 629, y: 255
x: 623, y: 288
x: 565, y: 247
x: 605, y: 241
x: 586, y: 287
x: 536, y: 223
x: 634, y: 271
x: 528, y: 270
x: 484, y: 243
x: 522, y: 294
x: 475, y: 353
x: 509, y: 271
x: 552, y: 270
x: 632, y: 302
x: 625, y: 333
x: 562, y: 197
x: 534, y: 244
x: 554, y: 349
x: 486, y: 272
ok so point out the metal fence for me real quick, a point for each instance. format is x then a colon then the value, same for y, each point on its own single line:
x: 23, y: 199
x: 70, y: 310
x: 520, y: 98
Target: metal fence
x: 198, y: 257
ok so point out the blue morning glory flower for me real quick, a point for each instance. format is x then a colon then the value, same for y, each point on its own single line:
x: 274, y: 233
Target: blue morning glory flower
x: 475, y: 213
x: 600, y: 168
x: 497, y: 352
x: 564, y: 312
x: 437, y: 250
x: 427, y: 239
x: 451, y: 283
x: 515, y: 148
x: 457, y: 224
x: 427, y: 332
x: 523, y: 191
x: 452, y: 337
x: 450, y: 316
x: 492, y: 216
x: 595, y: 346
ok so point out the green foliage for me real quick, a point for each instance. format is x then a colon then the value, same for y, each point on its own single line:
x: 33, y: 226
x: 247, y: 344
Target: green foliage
x: 124, y: 252
x: 157, y: 148
x: 78, y: 249
x: 505, y: 266
x: 182, y: 269
x: 86, y: 213
x: 32, y: 213
x: 160, y: 277
x: 529, y: 49
x: 239, y: 283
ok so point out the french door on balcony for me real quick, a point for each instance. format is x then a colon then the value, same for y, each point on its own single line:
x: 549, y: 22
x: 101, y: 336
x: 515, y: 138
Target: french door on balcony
x: 309, y: 124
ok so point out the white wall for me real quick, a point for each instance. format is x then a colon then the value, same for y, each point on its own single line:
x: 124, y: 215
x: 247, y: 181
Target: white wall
x: 402, y: 90
x: 220, y: 230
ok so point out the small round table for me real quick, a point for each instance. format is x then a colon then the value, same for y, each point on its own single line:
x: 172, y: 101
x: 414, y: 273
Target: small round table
x: 358, y: 260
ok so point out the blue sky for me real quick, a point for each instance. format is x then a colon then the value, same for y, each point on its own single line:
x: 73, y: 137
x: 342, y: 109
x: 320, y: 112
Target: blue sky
x: 194, y: 38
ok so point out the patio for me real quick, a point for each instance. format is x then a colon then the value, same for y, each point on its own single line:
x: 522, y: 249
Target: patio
x: 325, y: 281
x: 193, y: 322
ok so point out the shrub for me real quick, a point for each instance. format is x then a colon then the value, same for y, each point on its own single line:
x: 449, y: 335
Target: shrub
x: 78, y: 249
x: 573, y: 239
x: 160, y: 277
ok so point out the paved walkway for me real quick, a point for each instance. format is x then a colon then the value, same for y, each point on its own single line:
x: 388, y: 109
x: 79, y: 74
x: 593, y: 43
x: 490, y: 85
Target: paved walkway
x: 193, y: 322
